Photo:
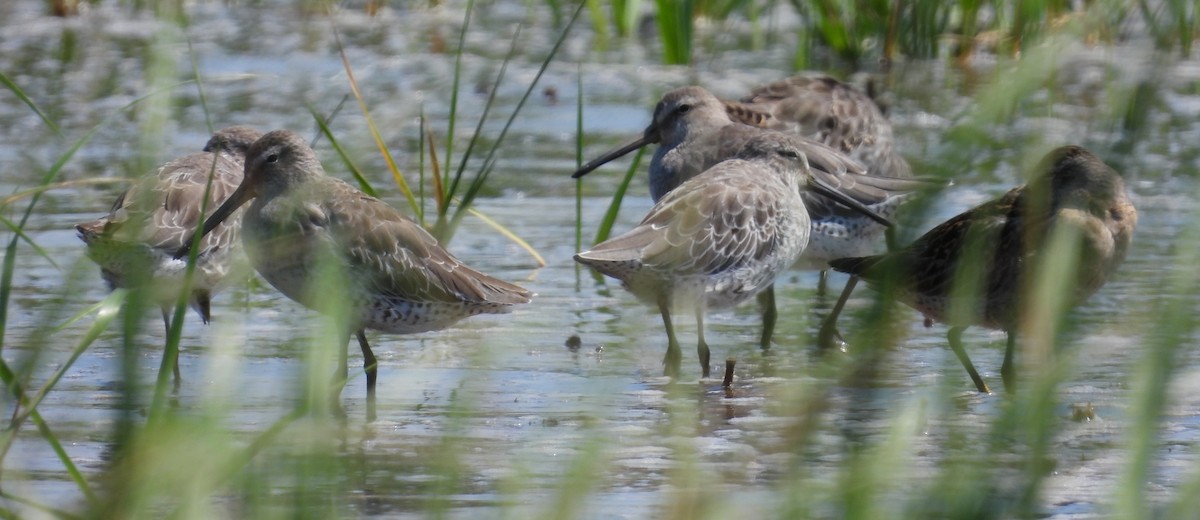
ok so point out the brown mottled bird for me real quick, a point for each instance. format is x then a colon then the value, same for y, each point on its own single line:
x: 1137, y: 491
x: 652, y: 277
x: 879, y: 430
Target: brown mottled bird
x: 334, y: 249
x: 135, y: 242
x: 833, y: 112
x: 976, y: 268
x: 719, y: 238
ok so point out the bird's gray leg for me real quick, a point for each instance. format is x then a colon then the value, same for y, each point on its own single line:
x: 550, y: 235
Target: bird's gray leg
x: 770, y: 315
x: 889, y: 235
x: 701, y: 345
x: 371, y: 368
x: 829, y: 332
x: 166, y: 316
x: 955, y: 339
x: 343, y: 371
x: 674, y: 356
x: 1007, y: 370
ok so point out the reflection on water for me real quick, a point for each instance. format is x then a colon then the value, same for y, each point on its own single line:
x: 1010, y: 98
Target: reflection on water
x: 524, y: 407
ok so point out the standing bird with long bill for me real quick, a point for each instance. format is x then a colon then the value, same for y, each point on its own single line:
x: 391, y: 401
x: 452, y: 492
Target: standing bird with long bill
x: 341, y: 252
x: 719, y: 238
x: 135, y: 241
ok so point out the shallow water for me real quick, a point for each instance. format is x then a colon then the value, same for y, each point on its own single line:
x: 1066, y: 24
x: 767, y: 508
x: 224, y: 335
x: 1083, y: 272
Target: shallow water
x: 526, y: 409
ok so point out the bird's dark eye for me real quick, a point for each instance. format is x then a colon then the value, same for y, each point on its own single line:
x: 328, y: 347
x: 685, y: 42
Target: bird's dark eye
x: 273, y: 158
x: 684, y: 108
x: 790, y: 153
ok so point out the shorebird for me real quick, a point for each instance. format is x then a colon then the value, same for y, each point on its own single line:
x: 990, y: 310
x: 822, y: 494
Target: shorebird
x: 135, y: 242
x: 695, y: 130
x: 822, y: 108
x: 719, y: 238
x: 976, y: 268
x: 336, y: 250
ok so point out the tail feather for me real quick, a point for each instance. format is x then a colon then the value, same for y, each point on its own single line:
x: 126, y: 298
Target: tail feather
x: 482, y: 288
x: 596, y: 256
x: 90, y: 231
x: 502, y: 292
x: 609, y: 263
x: 895, y: 184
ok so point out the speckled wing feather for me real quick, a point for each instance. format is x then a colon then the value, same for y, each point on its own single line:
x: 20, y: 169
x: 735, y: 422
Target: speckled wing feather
x: 827, y: 165
x: 170, y: 202
x: 399, y: 258
x: 705, y: 229
x: 929, y: 265
x: 824, y: 160
x: 830, y: 111
x: 181, y: 192
x: 994, y: 245
x: 821, y: 107
x: 881, y: 194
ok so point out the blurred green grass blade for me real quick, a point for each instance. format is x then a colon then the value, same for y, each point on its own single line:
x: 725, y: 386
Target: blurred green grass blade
x: 625, y: 15
x: 27, y: 407
x: 453, y: 116
x: 833, y: 29
x: 599, y: 22
x: 12, y: 87
x: 23, y: 236
x: 582, y: 476
x: 578, y: 156
x: 170, y: 356
x: 422, y: 145
x: 541, y: 262
x: 1185, y: 13
x: 1151, y: 19
x: 262, y: 441
x: 8, y: 267
x: 362, y: 104
x: 614, y: 207
x: 74, y: 183
x: 337, y: 109
x: 489, y: 162
x: 80, y: 315
x: 802, y: 54
x: 555, y: 11
x: 61, y: 453
x: 170, y: 353
x: 435, y: 167
x: 969, y: 21
x: 674, y: 19
x: 1174, y: 329
x: 6, y: 274
x: 323, y: 126
x: 200, y: 89
x: 25, y: 501
x: 452, y: 191
x: 923, y: 30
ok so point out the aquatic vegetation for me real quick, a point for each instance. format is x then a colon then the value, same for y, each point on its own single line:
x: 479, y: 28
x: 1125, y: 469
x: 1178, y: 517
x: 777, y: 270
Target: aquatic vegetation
x: 498, y: 417
x: 858, y: 32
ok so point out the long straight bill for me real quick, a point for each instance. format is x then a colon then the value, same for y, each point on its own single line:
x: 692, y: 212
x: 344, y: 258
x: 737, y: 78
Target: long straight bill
x: 235, y: 200
x: 820, y: 187
x: 609, y: 156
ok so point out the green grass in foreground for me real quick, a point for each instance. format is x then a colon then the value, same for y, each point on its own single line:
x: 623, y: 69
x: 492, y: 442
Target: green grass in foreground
x: 180, y: 462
